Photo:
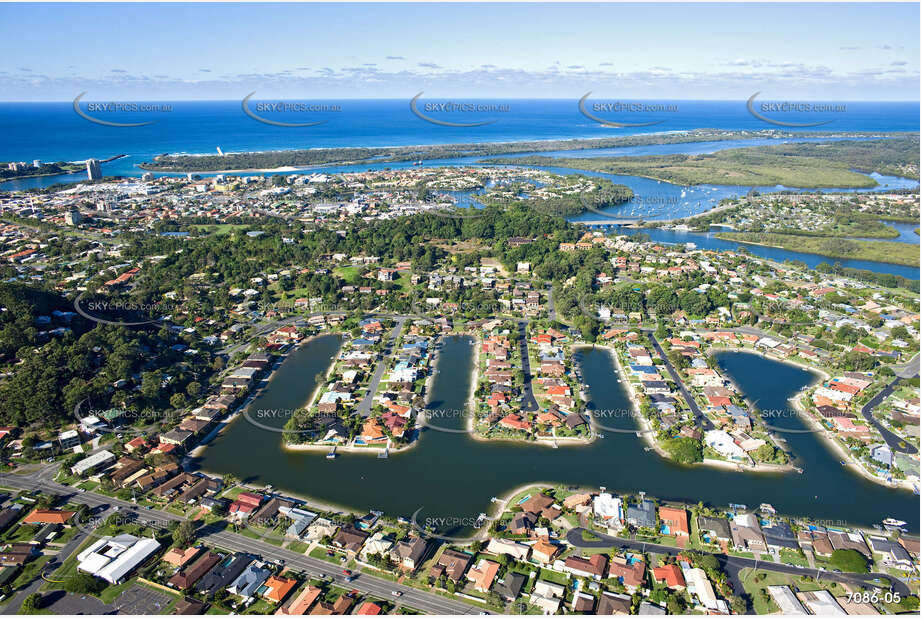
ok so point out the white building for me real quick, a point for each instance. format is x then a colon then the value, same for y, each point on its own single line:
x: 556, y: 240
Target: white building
x: 821, y: 603
x: 112, y: 558
x: 786, y: 601
x: 608, y: 508
x: 722, y: 443
x: 92, y: 462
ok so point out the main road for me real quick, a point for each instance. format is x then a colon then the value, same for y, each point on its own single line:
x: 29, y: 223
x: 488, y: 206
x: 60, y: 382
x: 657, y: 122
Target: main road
x: 427, y: 602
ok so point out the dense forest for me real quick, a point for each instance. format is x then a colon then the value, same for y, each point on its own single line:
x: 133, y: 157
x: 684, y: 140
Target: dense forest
x: 55, y: 374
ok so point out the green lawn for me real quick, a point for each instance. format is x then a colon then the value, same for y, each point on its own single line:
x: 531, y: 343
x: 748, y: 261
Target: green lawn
x: 788, y: 556
x: 298, y: 546
x: 30, y: 571
x: 553, y: 577
x: 319, y: 552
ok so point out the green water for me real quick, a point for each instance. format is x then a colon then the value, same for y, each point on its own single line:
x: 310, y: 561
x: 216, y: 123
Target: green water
x: 449, y: 475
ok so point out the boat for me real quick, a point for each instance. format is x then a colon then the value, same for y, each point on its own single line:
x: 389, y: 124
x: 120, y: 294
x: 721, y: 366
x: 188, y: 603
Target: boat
x: 767, y: 508
x: 331, y: 454
x: 890, y: 523
x: 480, y: 520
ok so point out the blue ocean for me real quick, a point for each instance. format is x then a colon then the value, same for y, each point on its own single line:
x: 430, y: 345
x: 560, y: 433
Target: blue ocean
x: 54, y: 132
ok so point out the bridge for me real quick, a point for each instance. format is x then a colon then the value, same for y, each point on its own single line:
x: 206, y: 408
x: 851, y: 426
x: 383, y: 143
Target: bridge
x: 606, y: 222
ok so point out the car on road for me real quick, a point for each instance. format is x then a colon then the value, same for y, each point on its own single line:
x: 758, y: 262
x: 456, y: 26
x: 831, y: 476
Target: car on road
x: 397, y: 593
x: 346, y: 572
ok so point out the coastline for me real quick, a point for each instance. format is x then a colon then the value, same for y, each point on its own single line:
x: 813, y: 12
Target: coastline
x: 410, y: 151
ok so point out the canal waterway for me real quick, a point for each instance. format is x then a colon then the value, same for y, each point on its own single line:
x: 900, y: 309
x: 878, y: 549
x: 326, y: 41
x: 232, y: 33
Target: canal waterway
x: 450, y: 475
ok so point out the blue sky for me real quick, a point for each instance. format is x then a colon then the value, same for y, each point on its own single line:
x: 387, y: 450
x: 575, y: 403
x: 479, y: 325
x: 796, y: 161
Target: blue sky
x: 657, y: 51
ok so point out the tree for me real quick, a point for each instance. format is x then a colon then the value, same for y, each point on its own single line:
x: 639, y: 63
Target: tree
x: 684, y: 450
x: 31, y: 603
x: 184, y: 533
x: 849, y: 561
x: 193, y: 389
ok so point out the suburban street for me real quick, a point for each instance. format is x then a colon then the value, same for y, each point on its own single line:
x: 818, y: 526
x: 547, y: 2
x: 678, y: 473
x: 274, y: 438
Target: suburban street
x: 528, y: 401
x: 702, y: 421
x: 365, y: 583
x: 734, y: 564
x: 895, y: 443
x: 364, y: 407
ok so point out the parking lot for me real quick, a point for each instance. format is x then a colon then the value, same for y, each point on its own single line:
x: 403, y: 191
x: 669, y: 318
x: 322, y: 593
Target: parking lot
x: 135, y: 600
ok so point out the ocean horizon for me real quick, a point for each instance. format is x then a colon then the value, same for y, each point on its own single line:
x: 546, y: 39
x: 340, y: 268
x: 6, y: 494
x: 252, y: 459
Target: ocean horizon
x: 53, y: 131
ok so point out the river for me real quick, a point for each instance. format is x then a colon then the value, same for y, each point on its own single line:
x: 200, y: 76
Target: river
x: 450, y: 475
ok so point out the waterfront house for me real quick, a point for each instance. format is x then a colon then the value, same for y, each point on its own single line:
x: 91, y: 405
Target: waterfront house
x: 518, y: 551
x: 780, y: 535
x: 245, y: 505
x: 849, y: 540
x: 746, y: 533
x: 676, y: 520
x: 716, y: 528
x: 642, y: 515
x: 483, y: 575
x: 350, y: 539
x: 409, y: 553
x: 451, y: 563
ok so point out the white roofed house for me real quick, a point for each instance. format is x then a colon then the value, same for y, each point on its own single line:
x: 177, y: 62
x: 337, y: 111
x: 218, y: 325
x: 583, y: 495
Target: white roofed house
x: 377, y: 544
x: 609, y: 510
x: 722, y: 443
x: 518, y: 551
x: 786, y: 600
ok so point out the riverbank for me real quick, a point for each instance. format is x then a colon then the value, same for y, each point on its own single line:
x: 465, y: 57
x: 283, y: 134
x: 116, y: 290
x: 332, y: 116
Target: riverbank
x: 350, y: 155
x: 241, y: 409
x: 903, y: 254
x: 552, y: 441
x: 830, y: 439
